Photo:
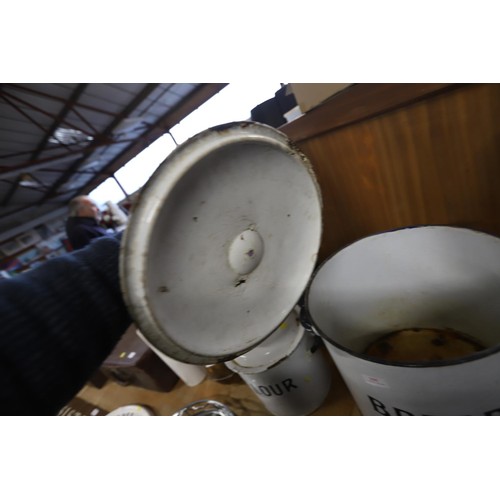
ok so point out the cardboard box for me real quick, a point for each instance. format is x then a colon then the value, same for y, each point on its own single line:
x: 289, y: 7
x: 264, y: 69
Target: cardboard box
x: 310, y: 95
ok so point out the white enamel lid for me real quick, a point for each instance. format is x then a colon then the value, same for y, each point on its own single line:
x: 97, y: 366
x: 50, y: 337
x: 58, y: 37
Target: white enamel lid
x: 221, y: 243
x: 278, y: 346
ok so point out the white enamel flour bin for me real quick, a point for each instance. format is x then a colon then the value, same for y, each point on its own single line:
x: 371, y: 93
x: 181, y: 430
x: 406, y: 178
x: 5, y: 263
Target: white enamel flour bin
x: 288, y: 371
x: 220, y: 247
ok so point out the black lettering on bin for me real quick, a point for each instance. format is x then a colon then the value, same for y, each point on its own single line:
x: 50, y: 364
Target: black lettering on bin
x: 278, y: 391
x: 288, y: 383
x: 378, y: 406
x: 264, y: 390
x: 402, y: 413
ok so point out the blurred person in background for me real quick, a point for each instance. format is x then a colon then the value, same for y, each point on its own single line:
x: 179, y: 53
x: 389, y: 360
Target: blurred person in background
x: 83, y: 223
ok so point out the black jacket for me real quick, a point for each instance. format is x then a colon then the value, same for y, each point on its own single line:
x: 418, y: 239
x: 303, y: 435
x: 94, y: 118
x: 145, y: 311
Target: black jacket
x: 59, y: 323
x: 81, y: 230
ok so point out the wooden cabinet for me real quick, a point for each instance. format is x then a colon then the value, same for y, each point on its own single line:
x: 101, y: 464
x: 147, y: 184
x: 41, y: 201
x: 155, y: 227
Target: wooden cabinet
x: 396, y: 155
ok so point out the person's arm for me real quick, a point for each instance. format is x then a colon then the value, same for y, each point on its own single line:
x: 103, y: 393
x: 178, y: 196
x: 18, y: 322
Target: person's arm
x: 80, y: 237
x: 59, y: 322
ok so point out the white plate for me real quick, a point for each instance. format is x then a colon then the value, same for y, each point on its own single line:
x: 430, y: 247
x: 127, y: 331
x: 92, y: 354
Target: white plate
x: 131, y: 411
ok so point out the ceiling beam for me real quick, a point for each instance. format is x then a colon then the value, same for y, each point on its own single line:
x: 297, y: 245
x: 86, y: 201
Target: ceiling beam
x: 162, y: 126
x: 53, y: 116
x: 18, y: 183
x: 42, y: 164
x: 60, y: 117
x: 6, y: 98
x: 10, y: 193
x: 159, y: 96
x: 56, y: 98
x: 8, y: 172
x: 138, y: 99
x: 55, y: 147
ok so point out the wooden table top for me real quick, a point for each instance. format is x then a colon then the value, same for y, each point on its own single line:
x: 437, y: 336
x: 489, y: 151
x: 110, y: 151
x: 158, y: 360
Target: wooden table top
x: 235, y: 394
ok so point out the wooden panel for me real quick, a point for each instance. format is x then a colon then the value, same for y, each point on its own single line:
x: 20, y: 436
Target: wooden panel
x: 433, y: 162
x: 359, y: 102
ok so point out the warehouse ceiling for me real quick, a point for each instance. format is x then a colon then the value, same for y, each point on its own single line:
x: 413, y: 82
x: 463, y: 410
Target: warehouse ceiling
x: 59, y: 140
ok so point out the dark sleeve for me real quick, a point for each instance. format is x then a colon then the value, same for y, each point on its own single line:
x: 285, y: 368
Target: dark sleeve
x: 79, y: 237
x: 59, y: 322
